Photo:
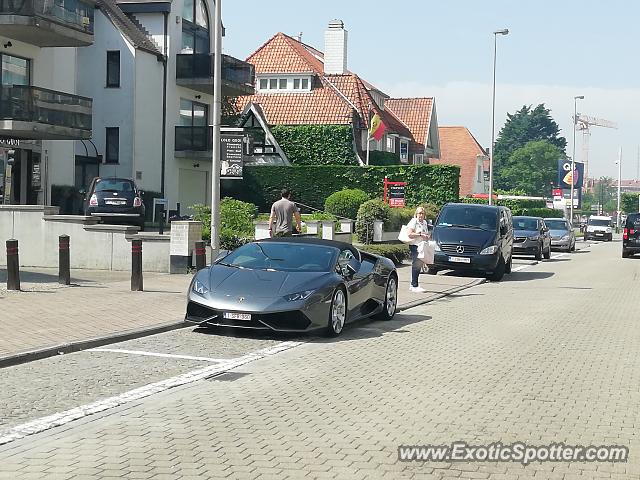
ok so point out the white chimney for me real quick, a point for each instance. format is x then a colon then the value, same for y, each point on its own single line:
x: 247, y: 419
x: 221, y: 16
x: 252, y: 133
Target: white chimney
x: 335, y: 48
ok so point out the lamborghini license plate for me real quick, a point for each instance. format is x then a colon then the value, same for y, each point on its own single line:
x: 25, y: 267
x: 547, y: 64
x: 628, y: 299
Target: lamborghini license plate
x: 237, y: 316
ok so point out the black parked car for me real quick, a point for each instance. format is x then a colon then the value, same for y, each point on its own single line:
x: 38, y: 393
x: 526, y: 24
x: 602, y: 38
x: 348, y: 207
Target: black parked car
x: 631, y: 235
x: 475, y: 238
x: 115, y: 200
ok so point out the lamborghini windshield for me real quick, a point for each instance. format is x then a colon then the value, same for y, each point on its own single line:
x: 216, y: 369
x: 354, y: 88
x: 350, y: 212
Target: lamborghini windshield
x: 289, y: 257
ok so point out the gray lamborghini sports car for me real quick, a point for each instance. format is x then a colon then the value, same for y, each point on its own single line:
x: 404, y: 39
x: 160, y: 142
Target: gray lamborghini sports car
x: 293, y: 284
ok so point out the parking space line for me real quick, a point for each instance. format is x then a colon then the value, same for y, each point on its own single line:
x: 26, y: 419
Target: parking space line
x: 154, y: 354
x: 62, y: 418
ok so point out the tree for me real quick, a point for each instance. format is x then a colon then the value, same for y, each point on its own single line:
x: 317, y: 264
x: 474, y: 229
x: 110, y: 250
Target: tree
x: 532, y: 168
x: 526, y: 125
x: 629, y: 202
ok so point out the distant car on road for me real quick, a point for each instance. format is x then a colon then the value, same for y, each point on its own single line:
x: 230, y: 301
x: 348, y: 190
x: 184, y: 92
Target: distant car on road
x: 599, y: 227
x: 293, y: 284
x: 531, y: 237
x: 115, y: 200
x: 631, y: 235
x: 562, y: 234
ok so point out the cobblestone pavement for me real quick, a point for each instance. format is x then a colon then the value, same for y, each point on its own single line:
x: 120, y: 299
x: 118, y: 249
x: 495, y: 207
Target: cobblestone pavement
x: 99, y: 304
x: 549, y: 355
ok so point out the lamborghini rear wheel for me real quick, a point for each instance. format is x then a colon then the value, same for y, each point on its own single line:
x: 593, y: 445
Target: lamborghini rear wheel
x: 390, y: 300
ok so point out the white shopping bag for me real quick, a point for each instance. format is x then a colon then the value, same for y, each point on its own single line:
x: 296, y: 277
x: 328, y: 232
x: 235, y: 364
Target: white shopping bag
x: 426, y: 251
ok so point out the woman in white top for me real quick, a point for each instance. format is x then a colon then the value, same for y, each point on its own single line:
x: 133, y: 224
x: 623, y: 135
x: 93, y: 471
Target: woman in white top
x: 418, y: 229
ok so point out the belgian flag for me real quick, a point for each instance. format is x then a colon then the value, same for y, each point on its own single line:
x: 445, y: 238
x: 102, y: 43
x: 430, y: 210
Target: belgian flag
x: 377, y: 127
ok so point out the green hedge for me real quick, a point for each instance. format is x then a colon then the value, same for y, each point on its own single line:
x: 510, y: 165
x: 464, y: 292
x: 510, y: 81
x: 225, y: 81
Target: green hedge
x: 236, y: 222
x: 316, y: 144
x: 312, y: 185
x: 368, y: 212
x: 397, y: 252
x: 378, y: 158
x: 531, y: 208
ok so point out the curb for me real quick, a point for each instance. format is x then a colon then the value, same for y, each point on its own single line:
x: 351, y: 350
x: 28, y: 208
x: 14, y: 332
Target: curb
x: 64, y: 348
x: 436, y: 296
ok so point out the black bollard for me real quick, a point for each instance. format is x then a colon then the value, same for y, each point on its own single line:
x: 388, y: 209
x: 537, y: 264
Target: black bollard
x: 201, y: 256
x: 136, y: 266
x: 13, y: 265
x: 161, y: 229
x: 64, y: 272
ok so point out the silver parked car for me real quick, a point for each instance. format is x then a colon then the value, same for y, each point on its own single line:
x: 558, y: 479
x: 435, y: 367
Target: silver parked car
x: 562, y: 235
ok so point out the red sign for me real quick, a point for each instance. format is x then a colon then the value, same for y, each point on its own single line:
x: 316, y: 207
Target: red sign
x: 394, y: 193
x: 556, y: 192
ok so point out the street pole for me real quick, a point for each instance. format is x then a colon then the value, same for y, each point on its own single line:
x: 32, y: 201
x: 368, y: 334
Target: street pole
x: 619, y: 180
x: 493, y: 110
x: 573, y: 156
x: 215, y: 160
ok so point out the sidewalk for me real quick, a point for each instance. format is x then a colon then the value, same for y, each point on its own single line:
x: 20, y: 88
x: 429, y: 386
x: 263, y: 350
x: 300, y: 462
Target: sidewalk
x: 98, y: 308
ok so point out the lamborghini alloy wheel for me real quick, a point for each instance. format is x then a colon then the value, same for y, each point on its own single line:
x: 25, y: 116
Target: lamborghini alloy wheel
x: 338, y: 312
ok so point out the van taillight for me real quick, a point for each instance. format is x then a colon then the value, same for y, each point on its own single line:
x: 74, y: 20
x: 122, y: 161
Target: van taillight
x: 93, y: 201
x: 137, y: 201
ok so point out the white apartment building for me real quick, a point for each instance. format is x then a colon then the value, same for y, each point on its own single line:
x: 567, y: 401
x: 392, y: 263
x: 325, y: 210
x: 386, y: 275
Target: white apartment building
x: 41, y: 114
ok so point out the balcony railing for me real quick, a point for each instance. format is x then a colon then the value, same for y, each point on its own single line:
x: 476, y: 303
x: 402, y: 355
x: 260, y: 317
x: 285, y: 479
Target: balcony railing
x: 23, y: 103
x: 191, y: 66
x: 196, y: 139
x: 72, y: 13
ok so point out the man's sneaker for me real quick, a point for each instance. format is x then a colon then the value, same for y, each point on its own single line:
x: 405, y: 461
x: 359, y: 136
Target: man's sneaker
x: 417, y: 289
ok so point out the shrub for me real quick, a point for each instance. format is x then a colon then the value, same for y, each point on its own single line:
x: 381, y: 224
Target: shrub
x: 399, y: 217
x: 395, y: 252
x: 345, y: 203
x: 368, y: 212
x: 236, y: 222
x: 68, y: 199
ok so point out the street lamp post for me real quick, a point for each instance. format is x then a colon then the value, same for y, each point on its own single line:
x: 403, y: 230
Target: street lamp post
x: 619, y: 162
x: 573, y: 156
x: 493, y: 110
x: 215, y: 160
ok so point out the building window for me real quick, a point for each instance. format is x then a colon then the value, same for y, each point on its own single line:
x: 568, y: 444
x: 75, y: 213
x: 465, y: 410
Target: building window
x: 112, y: 145
x: 391, y: 144
x: 283, y: 84
x: 15, y: 70
x: 195, y: 27
x: 113, y: 69
x: 193, y: 114
x: 404, y: 151
x: 418, y: 159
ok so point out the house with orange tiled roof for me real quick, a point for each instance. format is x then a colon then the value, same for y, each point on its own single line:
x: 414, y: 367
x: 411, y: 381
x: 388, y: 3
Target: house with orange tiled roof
x: 459, y: 147
x: 296, y: 84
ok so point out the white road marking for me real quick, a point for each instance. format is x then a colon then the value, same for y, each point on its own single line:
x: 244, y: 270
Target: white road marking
x: 62, y: 418
x: 522, y: 267
x: 154, y: 354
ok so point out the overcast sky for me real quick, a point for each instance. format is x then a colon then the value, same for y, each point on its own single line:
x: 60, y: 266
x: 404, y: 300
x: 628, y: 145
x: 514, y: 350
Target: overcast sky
x: 555, y: 50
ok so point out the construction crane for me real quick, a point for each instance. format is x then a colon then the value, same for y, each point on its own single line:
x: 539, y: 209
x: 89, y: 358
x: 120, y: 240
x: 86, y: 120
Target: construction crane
x: 583, y: 123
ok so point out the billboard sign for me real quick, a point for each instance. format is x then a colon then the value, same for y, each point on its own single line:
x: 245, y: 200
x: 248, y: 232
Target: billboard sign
x: 231, y: 156
x: 566, y: 176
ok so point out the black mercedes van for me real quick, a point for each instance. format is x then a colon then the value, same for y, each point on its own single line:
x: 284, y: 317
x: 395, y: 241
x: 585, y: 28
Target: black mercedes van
x: 473, y: 237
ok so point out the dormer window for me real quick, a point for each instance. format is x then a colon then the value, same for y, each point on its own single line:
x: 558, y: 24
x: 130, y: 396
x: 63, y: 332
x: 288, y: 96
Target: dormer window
x: 281, y: 84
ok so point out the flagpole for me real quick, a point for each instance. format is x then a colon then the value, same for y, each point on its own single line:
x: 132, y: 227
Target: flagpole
x: 368, y: 143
